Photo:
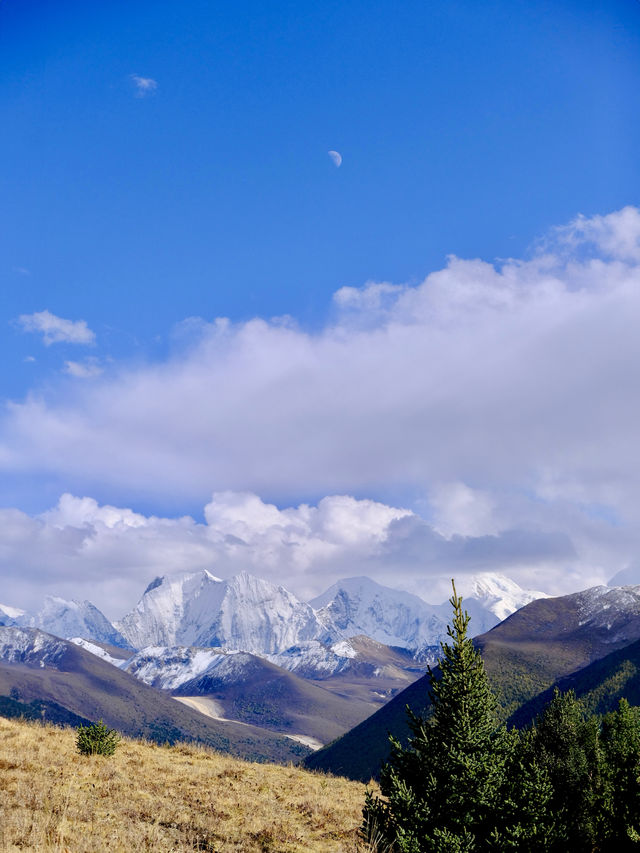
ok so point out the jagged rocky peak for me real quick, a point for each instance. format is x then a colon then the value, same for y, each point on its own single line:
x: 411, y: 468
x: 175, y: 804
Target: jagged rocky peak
x: 244, y: 612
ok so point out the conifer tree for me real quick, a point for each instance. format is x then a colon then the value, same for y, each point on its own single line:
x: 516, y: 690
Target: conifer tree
x: 449, y: 789
x: 567, y: 746
x: 620, y: 735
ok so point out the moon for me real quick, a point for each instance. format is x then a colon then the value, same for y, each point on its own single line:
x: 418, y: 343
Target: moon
x: 336, y: 158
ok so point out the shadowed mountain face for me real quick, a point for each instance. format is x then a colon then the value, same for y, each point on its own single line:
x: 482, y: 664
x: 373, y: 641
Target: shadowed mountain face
x: 249, y: 688
x: 525, y: 655
x: 599, y: 686
x: 266, y: 695
x: 553, y: 637
x: 39, y: 667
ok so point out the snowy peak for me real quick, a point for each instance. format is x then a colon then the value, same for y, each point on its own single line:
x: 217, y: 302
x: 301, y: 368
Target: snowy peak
x: 172, y: 610
x: 243, y: 613
x: 10, y: 615
x: 396, y: 618
x: 74, y: 619
x: 66, y: 619
x: 497, y: 594
x: 30, y: 647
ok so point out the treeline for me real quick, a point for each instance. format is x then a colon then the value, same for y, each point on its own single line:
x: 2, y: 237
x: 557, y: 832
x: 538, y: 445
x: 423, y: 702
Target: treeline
x: 570, y: 782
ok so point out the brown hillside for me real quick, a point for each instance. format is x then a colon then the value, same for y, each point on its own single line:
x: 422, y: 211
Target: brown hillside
x: 147, y: 797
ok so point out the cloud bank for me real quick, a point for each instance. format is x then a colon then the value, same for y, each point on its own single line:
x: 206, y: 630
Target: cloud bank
x: 109, y: 554
x: 499, y: 401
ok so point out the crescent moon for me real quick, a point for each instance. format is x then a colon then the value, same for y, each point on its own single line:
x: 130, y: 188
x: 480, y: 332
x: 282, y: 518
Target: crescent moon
x: 336, y: 157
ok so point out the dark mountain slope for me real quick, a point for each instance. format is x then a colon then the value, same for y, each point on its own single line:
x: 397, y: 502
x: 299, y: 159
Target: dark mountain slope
x: 268, y: 696
x: 599, y: 686
x: 39, y: 667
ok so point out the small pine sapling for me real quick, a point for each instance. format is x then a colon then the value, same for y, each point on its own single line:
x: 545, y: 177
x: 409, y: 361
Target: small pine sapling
x: 97, y: 739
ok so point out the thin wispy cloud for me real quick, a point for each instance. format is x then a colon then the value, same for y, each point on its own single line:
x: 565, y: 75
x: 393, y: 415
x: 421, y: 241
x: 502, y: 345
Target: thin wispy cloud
x: 88, y: 369
x: 56, y: 330
x: 144, y: 85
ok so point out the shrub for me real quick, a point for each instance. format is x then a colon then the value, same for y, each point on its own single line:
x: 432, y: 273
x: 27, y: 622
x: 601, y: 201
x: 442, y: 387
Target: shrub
x: 97, y: 739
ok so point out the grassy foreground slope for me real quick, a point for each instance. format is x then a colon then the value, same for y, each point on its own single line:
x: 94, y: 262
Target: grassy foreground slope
x: 180, y: 798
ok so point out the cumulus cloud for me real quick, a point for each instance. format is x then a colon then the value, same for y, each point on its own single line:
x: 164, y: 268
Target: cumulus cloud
x: 502, y: 396
x: 56, y: 330
x: 108, y: 554
x: 144, y: 85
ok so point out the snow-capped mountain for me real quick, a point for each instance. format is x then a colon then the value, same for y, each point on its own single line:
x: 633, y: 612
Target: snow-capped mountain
x: 30, y: 646
x: 495, y: 594
x: 10, y: 615
x: 170, y: 668
x: 243, y: 613
x: 390, y: 616
x: 72, y: 619
x: 397, y: 618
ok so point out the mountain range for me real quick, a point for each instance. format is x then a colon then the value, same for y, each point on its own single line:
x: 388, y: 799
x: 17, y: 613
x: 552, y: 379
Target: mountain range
x: 254, y: 615
x: 248, y: 650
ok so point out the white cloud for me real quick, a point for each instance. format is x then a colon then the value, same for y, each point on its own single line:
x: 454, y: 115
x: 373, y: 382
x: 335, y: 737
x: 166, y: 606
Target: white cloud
x: 56, y: 330
x: 109, y: 554
x: 144, y: 85
x: 505, y: 396
x: 88, y: 369
x: 460, y: 509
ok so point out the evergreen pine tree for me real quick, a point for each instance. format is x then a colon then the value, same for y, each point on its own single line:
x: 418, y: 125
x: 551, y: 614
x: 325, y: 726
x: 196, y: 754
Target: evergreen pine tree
x: 450, y: 790
x: 567, y: 746
x: 620, y: 736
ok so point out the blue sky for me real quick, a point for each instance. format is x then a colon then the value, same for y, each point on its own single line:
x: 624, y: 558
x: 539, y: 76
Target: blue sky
x: 164, y: 165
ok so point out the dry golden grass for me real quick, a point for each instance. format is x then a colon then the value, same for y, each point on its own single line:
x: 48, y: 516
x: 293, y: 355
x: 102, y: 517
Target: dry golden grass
x: 147, y: 797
